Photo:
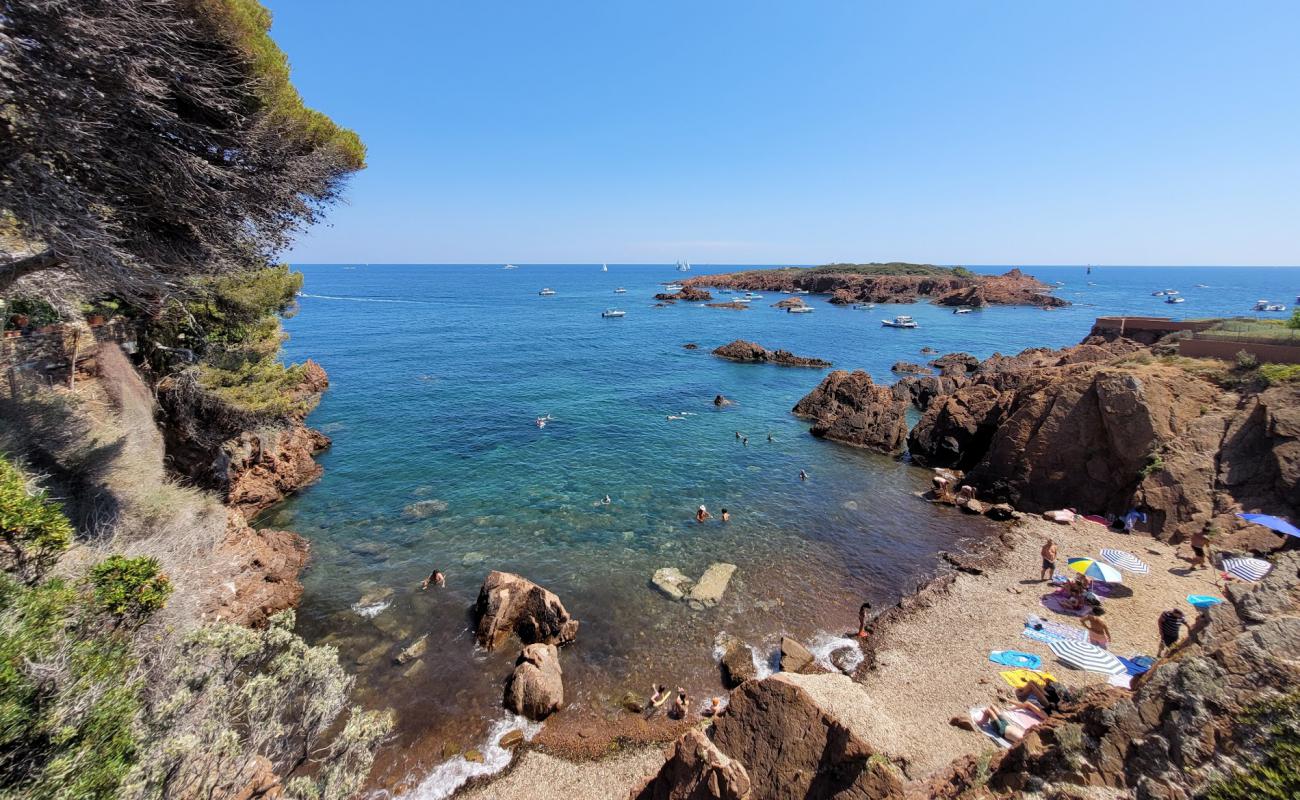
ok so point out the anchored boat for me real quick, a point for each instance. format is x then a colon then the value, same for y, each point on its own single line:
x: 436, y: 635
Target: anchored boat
x: 613, y: 312
x: 547, y: 292
x: 903, y: 321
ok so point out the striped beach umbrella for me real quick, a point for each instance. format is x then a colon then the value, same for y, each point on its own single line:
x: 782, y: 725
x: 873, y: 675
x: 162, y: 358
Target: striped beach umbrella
x: 1087, y: 656
x: 1125, y: 561
x: 1098, y: 571
x: 1248, y: 569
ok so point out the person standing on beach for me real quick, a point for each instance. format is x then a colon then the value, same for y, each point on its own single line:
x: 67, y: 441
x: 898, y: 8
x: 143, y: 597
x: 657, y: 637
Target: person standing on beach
x: 862, y: 620
x: 1201, y: 555
x: 1098, y: 630
x: 1170, y: 623
x: 1049, y: 560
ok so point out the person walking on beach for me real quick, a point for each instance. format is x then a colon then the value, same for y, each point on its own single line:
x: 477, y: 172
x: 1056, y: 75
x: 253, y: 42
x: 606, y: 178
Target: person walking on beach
x: 1049, y: 560
x: 1098, y: 630
x: 862, y: 620
x: 1200, y: 542
x: 702, y: 514
x: 1170, y: 623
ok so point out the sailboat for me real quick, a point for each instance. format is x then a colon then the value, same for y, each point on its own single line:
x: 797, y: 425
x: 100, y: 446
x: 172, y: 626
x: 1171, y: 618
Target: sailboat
x: 604, y: 268
x: 683, y: 266
x: 1089, y: 272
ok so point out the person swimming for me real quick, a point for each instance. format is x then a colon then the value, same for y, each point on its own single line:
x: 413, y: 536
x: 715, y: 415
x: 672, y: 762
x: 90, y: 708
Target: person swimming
x: 803, y: 476
x: 605, y: 501
x: 541, y: 421
x: 702, y: 514
x: 435, y: 578
x: 726, y: 515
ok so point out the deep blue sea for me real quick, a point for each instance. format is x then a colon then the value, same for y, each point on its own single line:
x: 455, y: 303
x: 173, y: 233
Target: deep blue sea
x: 438, y: 373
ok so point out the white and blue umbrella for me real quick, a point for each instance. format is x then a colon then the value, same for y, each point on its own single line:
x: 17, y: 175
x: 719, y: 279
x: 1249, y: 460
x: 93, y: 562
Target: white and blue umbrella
x: 1248, y: 569
x: 1276, y: 524
x: 1092, y: 568
x: 1087, y: 656
x: 1125, y: 561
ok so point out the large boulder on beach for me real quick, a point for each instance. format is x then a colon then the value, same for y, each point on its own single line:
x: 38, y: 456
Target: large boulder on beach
x: 797, y: 658
x: 510, y: 604
x: 848, y: 407
x: 791, y: 747
x: 536, y: 687
x: 696, y: 770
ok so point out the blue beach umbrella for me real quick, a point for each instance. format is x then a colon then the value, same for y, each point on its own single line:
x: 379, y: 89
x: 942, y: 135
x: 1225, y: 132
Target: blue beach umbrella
x: 1273, y: 523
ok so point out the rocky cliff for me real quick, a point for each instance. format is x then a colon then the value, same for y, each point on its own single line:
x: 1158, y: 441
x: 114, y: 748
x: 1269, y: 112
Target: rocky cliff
x: 848, y: 407
x: 879, y: 284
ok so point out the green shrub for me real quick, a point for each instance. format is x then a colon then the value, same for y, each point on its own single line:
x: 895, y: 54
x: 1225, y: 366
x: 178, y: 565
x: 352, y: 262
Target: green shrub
x: 130, y: 589
x: 33, y: 528
x: 1274, y: 774
x: 38, y: 312
x: 1294, y: 322
x: 1155, y: 463
x: 1279, y: 373
x: 1246, y: 360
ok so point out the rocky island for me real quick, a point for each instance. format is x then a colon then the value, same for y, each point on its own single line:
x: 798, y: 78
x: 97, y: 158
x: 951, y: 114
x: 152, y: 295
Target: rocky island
x: 892, y: 283
x: 752, y: 353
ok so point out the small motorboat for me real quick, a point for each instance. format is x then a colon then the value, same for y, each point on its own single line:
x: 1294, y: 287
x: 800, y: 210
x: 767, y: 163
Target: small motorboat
x: 1171, y: 291
x: 613, y: 312
x: 1202, y: 286
x: 752, y: 296
x: 863, y: 306
x: 961, y: 311
x: 899, y: 322
x: 1172, y: 299
x: 620, y: 290
x: 799, y: 310
x: 547, y: 292
x: 510, y: 266
x: 673, y: 287
x: 1264, y: 305
x: 1157, y: 294
x: 802, y: 291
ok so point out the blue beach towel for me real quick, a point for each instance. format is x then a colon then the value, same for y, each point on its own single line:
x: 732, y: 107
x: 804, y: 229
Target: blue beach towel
x: 1133, y: 665
x: 1015, y: 658
x: 1203, y: 600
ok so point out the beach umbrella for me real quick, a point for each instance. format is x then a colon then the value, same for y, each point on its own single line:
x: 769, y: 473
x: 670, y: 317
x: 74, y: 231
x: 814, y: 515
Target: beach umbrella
x: 1273, y: 523
x: 1092, y: 568
x: 1087, y: 656
x: 1248, y: 569
x: 1125, y: 561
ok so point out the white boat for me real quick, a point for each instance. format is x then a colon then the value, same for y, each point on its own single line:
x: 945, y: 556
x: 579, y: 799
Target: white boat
x: 683, y: 266
x: 673, y: 287
x: 1157, y: 294
x: 899, y: 322
x: 799, y: 310
x: 1202, y: 286
x: 1175, y: 299
x: 510, y: 266
x: 1264, y: 305
x: 1171, y: 291
x: 802, y: 291
x: 604, y: 268
x: 863, y: 306
x: 752, y: 296
x: 547, y: 292
x: 620, y: 290
x: 961, y: 311
x: 613, y: 312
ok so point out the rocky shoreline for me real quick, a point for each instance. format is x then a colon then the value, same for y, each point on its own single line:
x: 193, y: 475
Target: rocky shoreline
x: 850, y: 283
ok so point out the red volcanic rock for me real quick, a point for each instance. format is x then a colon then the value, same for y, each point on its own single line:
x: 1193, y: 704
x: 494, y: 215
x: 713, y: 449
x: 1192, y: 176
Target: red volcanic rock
x: 263, y: 466
x: 509, y: 604
x: 848, y: 407
x: 741, y: 350
x: 907, y: 366
x: 260, y: 575
x: 696, y: 770
x: 536, y: 687
x: 689, y: 293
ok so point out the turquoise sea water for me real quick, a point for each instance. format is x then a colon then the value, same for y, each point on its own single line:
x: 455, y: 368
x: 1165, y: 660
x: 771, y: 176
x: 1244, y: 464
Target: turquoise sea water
x: 437, y: 375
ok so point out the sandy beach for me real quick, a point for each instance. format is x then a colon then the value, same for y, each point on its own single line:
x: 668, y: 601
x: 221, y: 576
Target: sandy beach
x: 932, y: 658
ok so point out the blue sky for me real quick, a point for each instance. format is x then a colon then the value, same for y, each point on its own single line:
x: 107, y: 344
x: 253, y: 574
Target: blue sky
x: 745, y: 131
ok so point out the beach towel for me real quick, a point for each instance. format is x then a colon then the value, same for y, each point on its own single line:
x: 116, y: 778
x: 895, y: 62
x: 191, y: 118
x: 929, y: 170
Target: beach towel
x: 1203, y: 600
x: 1015, y: 658
x: 1100, y: 520
x: 986, y: 729
x: 1056, y: 602
x: 1065, y: 631
x: 1041, y: 636
x: 1133, y: 666
x: 1019, y: 678
x: 1122, y: 681
x: 1022, y: 718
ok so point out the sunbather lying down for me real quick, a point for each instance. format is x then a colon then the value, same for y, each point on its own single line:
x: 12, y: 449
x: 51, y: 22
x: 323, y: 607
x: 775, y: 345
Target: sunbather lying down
x: 1012, y: 726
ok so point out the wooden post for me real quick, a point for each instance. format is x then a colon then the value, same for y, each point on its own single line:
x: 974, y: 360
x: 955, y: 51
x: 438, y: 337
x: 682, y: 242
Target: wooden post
x: 72, y: 361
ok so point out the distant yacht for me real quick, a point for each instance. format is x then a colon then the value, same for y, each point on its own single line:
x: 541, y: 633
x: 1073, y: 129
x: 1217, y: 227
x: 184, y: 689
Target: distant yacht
x: 1264, y: 305
x: 604, y: 268
x: 510, y: 266
x: 620, y: 290
x: 1157, y: 294
x: 612, y: 312
x: 547, y: 292
x: 799, y: 310
x: 863, y: 306
x: 899, y: 322
x: 961, y: 311
x: 673, y: 287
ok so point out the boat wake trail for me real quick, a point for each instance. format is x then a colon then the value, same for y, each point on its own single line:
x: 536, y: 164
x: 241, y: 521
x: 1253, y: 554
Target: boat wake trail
x: 360, y: 299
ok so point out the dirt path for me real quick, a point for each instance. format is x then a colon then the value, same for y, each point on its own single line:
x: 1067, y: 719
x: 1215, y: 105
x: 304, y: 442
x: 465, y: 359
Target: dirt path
x: 933, y: 664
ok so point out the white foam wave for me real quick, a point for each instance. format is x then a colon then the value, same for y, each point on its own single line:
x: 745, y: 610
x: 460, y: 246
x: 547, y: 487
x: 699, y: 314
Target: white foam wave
x: 371, y: 610
x: 762, y: 663
x: 444, y: 779
x: 824, y: 644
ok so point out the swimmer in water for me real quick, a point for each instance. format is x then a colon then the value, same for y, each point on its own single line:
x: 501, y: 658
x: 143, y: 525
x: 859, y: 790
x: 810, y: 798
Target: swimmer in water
x: 702, y: 514
x: 726, y: 515
x: 769, y: 437
x: 541, y: 421
x: 435, y: 578
x: 605, y: 501
x: 803, y: 476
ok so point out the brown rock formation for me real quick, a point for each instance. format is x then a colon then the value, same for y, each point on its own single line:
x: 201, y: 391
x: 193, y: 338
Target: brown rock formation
x: 792, y: 748
x: 942, y: 286
x: 508, y: 603
x: 260, y: 573
x: 734, y: 306
x: 921, y: 390
x: 849, y: 408
x: 696, y: 770
x: 907, y: 366
x: 262, y: 467
x: 536, y: 687
x: 688, y: 293
x: 737, y: 663
x: 789, y: 302
x: 741, y: 350
x: 797, y: 658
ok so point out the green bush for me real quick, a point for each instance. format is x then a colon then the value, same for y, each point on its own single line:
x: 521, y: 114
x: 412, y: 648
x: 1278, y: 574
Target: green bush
x: 33, y: 528
x: 1294, y: 322
x: 1279, y: 373
x: 1246, y: 360
x: 1275, y: 773
x: 130, y: 588
x: 38, y: 312
x: 1155, y: 463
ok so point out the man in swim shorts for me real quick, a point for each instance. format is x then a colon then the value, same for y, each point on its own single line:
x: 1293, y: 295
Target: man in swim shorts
x: 1049, y: 560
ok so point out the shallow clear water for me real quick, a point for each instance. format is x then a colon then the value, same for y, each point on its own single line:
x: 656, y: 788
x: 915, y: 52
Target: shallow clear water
x: 437, y: 374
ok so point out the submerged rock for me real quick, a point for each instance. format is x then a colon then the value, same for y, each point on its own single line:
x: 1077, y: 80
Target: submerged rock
x: 536, y: 687
x: 708, y: 590
x: 510, y: 739
x: 672, y: 582
x: 413, y: 651
x: 424, y: 509
x: 508, y: 603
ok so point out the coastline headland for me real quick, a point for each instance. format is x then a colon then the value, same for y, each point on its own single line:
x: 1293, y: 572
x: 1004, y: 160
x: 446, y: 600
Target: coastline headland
x: 892, y: 283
